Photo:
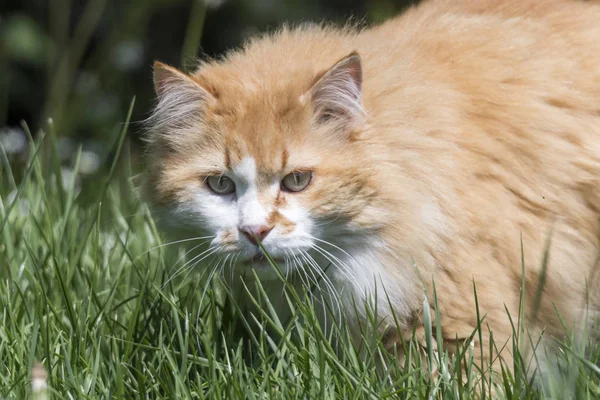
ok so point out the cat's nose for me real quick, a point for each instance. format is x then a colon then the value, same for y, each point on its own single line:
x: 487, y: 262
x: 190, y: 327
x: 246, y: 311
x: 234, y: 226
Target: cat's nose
x: 255, y: 231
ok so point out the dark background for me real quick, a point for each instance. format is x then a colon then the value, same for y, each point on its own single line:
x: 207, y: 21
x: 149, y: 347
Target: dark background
x: 80, y: 62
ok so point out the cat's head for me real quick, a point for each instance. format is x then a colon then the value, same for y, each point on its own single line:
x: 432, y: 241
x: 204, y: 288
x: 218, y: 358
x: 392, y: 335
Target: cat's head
x: 235, y: 158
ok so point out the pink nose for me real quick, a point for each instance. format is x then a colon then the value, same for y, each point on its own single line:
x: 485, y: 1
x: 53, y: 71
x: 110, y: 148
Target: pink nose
x: 255, y: 231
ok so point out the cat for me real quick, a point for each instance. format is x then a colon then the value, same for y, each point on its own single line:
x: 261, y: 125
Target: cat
x: 445, y: 145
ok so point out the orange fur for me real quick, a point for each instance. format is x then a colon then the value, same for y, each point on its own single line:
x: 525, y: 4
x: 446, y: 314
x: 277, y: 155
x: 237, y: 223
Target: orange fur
x: 482, y: 126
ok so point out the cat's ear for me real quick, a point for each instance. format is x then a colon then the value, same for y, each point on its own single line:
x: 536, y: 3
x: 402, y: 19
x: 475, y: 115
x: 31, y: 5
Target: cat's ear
x: 337, y: 94
x: 167, y: 79
x: 180, y: 97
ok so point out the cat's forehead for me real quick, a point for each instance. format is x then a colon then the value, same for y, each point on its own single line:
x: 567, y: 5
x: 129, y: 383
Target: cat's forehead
x: 260, y: 115
x: 262, y: 129
x: 244, y: 152
x: 243, y: 89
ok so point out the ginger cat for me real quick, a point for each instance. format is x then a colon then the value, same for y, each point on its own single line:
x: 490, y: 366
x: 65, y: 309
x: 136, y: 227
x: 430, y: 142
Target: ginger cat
x: 423, y: 148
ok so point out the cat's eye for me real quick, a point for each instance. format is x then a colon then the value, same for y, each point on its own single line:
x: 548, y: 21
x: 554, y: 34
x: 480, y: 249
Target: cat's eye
x: 220, y: 184
x: 296, y: 181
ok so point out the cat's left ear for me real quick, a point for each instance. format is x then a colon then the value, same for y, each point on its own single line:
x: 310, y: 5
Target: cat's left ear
x: 336, y: 95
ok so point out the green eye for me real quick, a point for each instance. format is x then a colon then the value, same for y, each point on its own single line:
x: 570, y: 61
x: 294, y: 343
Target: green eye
x: 296, y: 181
x: 220, y: 184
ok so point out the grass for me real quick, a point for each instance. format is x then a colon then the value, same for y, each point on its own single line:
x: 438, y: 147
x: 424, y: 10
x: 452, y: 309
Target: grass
x: 85, y: 290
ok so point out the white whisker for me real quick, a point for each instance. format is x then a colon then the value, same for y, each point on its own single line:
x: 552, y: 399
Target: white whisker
x: 342, y: 267
x: 330, y: 287
x: 172, y: 243
x: 210, y: 251
x: 209, y: 279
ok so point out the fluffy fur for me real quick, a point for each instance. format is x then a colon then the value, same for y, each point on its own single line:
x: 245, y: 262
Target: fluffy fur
x: 437, y: 141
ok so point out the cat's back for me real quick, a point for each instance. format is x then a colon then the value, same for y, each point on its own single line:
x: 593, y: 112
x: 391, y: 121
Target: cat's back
x: 492, y: 108
x: 500, y: 89
x: 495, y: 105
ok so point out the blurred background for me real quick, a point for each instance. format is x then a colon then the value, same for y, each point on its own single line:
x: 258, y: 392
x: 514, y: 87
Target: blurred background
x: 80, y: 62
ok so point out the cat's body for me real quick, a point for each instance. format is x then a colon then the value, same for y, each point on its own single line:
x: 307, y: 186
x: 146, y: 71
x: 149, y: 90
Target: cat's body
x: 479, y: 125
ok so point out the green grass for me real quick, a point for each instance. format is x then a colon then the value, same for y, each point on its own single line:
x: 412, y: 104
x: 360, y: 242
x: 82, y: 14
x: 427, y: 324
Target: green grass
x: 84, y: 291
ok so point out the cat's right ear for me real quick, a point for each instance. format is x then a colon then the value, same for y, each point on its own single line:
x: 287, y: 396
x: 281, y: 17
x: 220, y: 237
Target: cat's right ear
x: 180, y: 97
x: 336, y: 95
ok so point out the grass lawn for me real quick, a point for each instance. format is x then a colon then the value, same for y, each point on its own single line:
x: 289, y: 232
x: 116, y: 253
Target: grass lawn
x: 88, y: 289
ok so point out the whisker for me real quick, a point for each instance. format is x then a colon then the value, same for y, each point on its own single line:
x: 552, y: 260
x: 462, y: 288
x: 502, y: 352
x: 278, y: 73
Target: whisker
x: 222, y: 265
x: 287, y: 268
x: 330, y: 221
x: 312, y: 270
x: 201, y: 256
x: 186, y: 253
x: 172, y: 243
x: 342, y: 267
x: 210, y: 276
x: 330, y: 287
x: 206, y: 285
x: 301, y: 272
x: 287, y: 265
x: 189, y: 270
x: 311, y: 282
x: 334, y: 246
x: 232, y: 266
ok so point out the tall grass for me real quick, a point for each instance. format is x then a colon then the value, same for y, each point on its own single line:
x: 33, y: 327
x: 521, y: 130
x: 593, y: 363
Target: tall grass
x: 85, y: 290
